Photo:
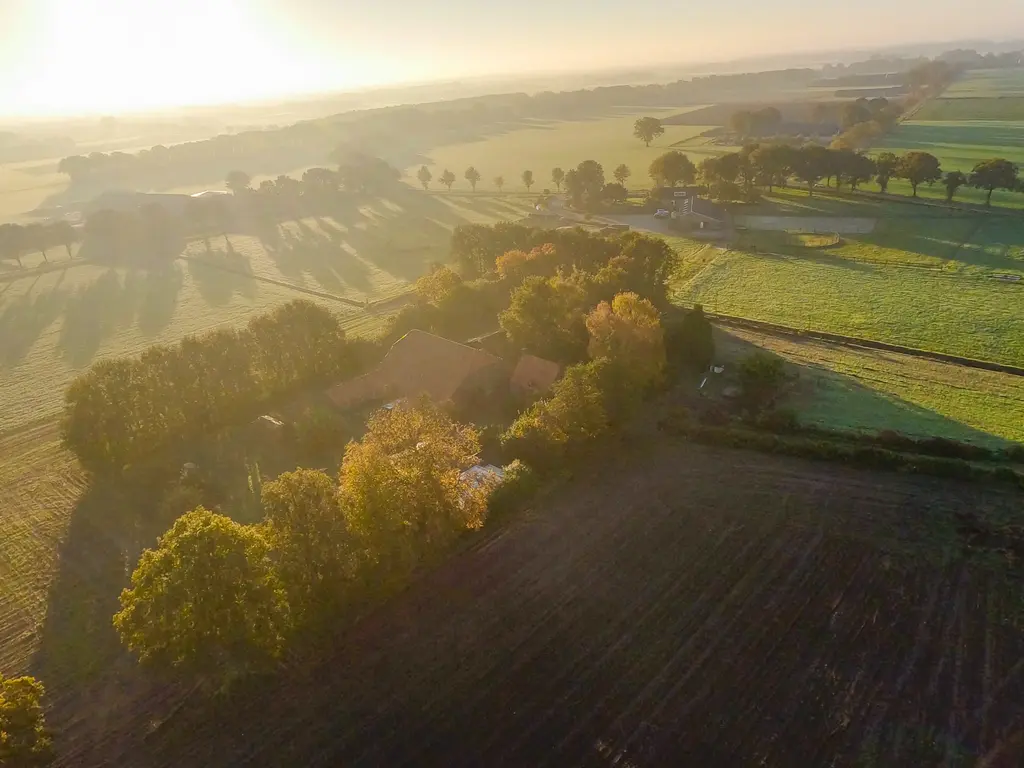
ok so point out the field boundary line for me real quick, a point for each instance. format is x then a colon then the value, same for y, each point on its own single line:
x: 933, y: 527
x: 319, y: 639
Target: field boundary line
x: 281, y: 283
x: 854, y: 341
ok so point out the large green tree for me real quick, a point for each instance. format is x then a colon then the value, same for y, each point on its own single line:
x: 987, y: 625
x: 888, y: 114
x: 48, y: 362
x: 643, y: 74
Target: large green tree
x: 994, y: 174
x: 527, y: 178
x: 313, y: 550
x: 424, y: 176
x: 472, y: 176
x: 952, y: 181
x: 885, y: 169
x: 546, y: 317
x: 647, y: 129
x: 918, y: 168
x: 447, y: 178
x: 557, y: 176
x: 672, y: 168
x: 772, y: 164
x: 24, y: 740
x: 621, y: 173
x: 207, y: 602
x: 238, y: 182
x: 574, y: 413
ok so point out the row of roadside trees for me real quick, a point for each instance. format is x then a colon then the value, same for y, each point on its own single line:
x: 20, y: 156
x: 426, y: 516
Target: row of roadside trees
x: 16, y: 241
x: 734, y: 176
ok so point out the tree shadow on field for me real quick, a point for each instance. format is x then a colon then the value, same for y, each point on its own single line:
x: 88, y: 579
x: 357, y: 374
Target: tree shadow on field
x: 95, y: 313
x: 159, y: 298
x: 23, y: 320
x: 831, y: 399
x: 219, y: 275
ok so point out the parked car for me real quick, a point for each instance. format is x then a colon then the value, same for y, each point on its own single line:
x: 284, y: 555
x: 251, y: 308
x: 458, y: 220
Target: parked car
x: 661, y: 213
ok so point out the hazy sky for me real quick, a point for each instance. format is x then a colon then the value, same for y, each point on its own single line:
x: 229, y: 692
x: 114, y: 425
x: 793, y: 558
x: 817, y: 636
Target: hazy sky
x: 63, y: 56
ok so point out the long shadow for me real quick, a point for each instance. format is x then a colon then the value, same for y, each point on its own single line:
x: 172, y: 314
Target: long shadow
x: 159, y: 298
x: 821, y: 390
x: 219, y: 275
x: 24, y: 319
x: 92, y: 315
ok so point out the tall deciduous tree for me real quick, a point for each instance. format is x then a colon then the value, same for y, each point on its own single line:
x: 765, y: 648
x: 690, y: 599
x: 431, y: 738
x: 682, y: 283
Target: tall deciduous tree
x: 447, y: 178
x: 472, y: 176
x: 918, y: 168
x: 885, y: 169
x: 402, y: 488
x: 64, y: 233
x: 952, y: 182
x: 238, y: 182
x: 206, y: 601
x: 499, y: 182
x: 572, y: 414
x: 312, y: 547
x: 647, y: 129
x: 994, y: 174
x: 621, y: 173
x: 546, y: 317
x: 424, y: 176
x: 772, y: 163
x: 24, y: 739
x: 672, y: 168
x: 527, y: 178
x: 557, y: 176
x: 12, y: 242
x: 628, y: 332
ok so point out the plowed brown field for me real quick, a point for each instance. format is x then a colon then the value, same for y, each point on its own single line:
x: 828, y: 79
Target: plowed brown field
x: 681, y: 606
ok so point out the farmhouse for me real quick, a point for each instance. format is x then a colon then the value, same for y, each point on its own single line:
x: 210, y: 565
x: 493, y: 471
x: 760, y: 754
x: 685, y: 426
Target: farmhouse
x: 421, y: 363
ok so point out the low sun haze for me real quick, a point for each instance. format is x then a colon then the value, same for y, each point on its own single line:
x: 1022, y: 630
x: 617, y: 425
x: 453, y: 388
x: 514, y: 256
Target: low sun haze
x: 67, y: 57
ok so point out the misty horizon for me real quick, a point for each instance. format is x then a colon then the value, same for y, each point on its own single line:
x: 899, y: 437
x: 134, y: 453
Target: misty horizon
x: 60, y: 58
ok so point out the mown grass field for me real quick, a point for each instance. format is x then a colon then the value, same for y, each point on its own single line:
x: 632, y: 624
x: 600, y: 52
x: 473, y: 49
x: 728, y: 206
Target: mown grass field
x: 951, y: 313
x: 987, y: 83
x: 548, y: 144
x: 869, y: 390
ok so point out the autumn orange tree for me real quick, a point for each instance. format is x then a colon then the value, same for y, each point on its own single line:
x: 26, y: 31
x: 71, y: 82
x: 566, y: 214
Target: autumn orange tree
x: 402, y: 489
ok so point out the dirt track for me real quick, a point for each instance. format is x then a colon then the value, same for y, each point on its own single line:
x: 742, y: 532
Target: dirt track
x: 688, y: 607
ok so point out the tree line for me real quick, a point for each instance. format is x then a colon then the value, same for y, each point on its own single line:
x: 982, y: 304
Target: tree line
x: 121, y: 412
x: 153, y: 232
x: 217, y: 599
x: 734, y: 176
x: 16, y: 241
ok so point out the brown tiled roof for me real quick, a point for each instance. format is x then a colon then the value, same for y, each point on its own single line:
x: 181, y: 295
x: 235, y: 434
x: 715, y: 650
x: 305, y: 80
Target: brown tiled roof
x: 418, y: 363
x: 534, y: 374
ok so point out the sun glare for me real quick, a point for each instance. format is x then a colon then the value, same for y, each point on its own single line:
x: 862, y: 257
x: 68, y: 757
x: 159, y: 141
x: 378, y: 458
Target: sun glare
x: 125, y: 55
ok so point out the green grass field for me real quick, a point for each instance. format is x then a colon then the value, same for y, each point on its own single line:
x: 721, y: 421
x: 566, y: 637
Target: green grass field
x: 871, y: 390
x: 549, y: 144
x: 953, y: 313
x: 988, y: 83
x: 959, y: 144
